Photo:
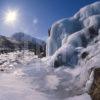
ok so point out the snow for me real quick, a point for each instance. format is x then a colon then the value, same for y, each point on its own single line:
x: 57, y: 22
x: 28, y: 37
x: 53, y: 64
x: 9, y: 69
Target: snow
x: 92, y: 20
x: 81, y: 97
x: 68, y: 53
x: 87, y: 16
x: 89, y: 10
x: 58, y: 31
x: 53, y: 81
x: 64, y: 56
x: 90, y: 81
x: 26, y: 76
x: 16, y: 81
x: 30, y: 78
x: 71, y: 33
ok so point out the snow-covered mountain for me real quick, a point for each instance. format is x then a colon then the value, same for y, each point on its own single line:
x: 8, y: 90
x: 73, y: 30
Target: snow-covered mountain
x: 5, y: 43
x: 25, y: 37
x: 23, y: 41
x: 30, y: 42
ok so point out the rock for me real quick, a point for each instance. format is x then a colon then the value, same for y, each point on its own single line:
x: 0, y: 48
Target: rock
x: 41, y: 55
x: 95, y: 88
x: 2, y: 70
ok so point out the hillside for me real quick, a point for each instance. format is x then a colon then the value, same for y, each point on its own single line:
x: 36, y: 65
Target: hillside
x: 20, y: 41
x: 33, y: 44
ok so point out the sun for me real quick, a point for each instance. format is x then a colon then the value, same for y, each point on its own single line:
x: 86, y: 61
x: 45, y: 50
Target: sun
x: 11, y: 16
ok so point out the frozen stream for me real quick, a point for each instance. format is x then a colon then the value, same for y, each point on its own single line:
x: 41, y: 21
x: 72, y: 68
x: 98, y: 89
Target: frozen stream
x: 29, y: 78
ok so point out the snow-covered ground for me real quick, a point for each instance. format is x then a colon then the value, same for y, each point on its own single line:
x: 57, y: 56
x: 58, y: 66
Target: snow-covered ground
x: 23, y: 76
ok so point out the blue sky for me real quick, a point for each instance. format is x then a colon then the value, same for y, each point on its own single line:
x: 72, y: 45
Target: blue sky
x: 36, y: 16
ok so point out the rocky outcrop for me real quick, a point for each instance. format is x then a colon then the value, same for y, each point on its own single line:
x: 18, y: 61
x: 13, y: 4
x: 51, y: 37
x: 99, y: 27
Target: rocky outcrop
x: 95, y: 88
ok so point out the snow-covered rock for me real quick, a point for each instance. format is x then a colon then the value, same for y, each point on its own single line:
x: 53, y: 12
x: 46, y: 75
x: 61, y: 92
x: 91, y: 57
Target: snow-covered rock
x: 87, y: 16
x: 81, y: 97
x: 67, y: 35
x: 89, y: 10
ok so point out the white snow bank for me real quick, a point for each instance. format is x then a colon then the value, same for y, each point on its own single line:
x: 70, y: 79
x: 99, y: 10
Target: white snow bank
x: 81, y: 97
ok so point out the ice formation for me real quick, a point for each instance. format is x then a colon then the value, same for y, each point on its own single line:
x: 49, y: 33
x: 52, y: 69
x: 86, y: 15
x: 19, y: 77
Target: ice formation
x: 67, y: 35
x: 75, y: 43
x: 87, y: 16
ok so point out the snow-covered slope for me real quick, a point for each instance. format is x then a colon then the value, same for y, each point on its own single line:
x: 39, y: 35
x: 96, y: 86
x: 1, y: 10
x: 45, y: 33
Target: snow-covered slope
x: 31, y: 43
x: 6, y: 43
x: 25, y: 37
x: 20, y: 41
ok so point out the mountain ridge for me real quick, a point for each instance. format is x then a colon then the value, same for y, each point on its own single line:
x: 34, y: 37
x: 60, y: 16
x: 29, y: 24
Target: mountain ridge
x: 20, y: 41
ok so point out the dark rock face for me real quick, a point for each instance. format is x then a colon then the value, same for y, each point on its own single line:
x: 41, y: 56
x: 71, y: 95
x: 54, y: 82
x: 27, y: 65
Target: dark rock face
x: 95, y: 88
